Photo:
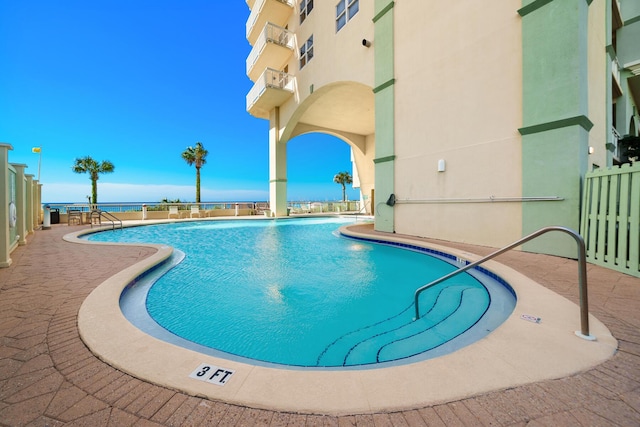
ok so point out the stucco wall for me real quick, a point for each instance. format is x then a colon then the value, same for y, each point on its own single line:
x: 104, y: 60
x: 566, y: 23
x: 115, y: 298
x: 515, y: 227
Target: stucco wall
x: 459, y: 99
x: 597, y: 80
x: 333, y: 92
x: 338, y: 56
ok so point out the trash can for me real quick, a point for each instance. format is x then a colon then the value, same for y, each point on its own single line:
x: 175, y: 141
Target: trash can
x: 55, y: 216
x: 46, y: 219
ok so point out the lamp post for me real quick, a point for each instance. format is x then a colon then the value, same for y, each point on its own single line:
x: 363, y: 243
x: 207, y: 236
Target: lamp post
x: 38, y: 150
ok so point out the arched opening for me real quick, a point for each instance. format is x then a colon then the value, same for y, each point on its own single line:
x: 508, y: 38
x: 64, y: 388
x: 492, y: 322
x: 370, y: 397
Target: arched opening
x: 339, y: 113
x: 313, y: 160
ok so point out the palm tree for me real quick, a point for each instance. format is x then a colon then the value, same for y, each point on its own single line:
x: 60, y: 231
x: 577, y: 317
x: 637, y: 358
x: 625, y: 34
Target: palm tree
x: 343, y: 178
x: 94, y: 169
x: 196, y: 156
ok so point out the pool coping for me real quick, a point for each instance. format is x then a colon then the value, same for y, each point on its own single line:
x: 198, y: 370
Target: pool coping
x: 519, y: 352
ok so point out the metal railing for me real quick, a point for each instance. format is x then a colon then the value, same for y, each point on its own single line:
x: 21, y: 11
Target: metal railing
x: 271, y: 33
x: 115, y: 207
x: 582, y: 274
x: 256, y: 10
x: 303, y: 207
x: 615, y: 146
x: 100, y: 215
x: 615, y: 69
x: 270, y: 79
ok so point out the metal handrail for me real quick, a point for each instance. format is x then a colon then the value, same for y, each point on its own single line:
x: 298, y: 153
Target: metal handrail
x: 582, y: 274
x: 107, y: 216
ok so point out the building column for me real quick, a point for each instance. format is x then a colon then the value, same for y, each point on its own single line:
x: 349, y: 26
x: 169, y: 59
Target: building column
x: 384, y: 92
x: 5, y: 199
x: 21, y: 203
x: 29, y: 204
x: 555, y: 117
x: 37, y: 204
x: 277, y: 167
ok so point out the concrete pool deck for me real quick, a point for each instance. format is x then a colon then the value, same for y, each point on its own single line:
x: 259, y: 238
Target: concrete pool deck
x: 49, y: 377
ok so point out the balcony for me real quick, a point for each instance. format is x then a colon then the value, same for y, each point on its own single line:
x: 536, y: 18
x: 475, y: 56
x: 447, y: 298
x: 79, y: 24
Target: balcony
x: 273, y: 49
x: 271, y: 90
x: 616, y: 17
x: 614, y: 147
x: 615, y: 79
x: 633, y: 80
x: 263, y: 11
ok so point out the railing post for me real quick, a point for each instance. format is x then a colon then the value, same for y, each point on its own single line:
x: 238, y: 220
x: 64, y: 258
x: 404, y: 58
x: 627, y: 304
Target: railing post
x: 582, y: 285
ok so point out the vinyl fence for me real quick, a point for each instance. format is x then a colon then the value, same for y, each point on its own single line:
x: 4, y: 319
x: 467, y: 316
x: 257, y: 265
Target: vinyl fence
x: 610, y: 223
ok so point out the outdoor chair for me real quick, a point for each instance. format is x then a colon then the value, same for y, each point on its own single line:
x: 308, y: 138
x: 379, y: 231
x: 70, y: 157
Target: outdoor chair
x: 261, y: 207
x: 195, y: 210
x: 173, y: 211
x: 74, y: 216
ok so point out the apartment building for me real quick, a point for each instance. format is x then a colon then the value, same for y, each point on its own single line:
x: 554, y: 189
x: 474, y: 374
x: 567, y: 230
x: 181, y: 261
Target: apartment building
x: 468, y: 121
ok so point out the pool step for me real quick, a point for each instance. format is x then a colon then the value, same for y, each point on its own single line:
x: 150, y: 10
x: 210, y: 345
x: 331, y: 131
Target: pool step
x: 449, y: 313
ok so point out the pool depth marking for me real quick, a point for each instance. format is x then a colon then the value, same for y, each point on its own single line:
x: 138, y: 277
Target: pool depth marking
x: 212, y: 374
x: 517, y: 361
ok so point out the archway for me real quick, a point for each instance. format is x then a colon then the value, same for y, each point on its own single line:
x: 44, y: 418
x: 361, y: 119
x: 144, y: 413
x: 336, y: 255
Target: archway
x: 313, y: 159
x: 342, y: 109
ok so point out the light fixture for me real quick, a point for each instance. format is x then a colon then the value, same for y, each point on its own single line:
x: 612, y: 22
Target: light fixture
x: 366, y: 43
x: 441, y: 165
x: 592, y: 150
x: 391, y: 200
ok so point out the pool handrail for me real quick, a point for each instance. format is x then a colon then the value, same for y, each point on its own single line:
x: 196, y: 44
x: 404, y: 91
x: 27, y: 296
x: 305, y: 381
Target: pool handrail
x: 582, y: 275
x: 100, y: 215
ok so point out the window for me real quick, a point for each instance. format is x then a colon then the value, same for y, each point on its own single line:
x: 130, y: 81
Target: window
x: 345, y: 10
x: 306, y: 6
x: 306, y: 52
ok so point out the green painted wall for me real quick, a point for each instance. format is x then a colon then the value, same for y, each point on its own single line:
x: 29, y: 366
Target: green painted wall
x: 555, y: 62
x: 610, y: 57
x: 628, y: 52
x: 555, y: 117
x: 630, y: 10
x: 556, y: 174
x: 384, y: 113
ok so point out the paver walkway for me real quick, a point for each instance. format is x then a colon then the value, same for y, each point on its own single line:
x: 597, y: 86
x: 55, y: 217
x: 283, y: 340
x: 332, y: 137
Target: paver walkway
x: 49, y: 378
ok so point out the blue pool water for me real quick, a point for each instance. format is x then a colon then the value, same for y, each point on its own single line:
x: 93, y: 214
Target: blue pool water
x: 291, y: 292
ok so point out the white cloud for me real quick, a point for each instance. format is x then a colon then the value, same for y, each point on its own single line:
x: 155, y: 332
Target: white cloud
x: 111, y: 192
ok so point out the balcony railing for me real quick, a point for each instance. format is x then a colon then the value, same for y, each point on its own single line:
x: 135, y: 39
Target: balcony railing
x: 271, y: 90
x: 349, y: 206
x: 615, y: 147
x: 263, y: 11
x: 273, y: 49
x: 616, y: 86
x: 160, y: 211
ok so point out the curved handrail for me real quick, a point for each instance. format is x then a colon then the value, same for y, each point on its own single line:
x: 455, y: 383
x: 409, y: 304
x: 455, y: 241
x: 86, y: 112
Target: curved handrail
x: 582, y: 274
x: 106, y: 215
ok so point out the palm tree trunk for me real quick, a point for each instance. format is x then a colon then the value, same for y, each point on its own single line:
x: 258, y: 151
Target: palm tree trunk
x: 94, y: 190
x: 344, y: 193
x: 197, y: 185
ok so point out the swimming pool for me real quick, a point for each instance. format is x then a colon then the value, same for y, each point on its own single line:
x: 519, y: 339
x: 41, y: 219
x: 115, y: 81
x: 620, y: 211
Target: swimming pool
x: 291, y: 293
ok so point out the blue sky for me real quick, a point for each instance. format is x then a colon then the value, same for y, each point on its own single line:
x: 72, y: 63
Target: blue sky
x: 135, y: 83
